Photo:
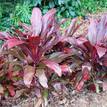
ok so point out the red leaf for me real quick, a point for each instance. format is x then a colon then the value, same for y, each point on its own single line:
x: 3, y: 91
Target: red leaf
x: 47, y: 20
x: 12, y: 42
x: 92, y: 31
x: 54, y: 66
x: 92, y: 50
x: 65, y: 68
x: 67, y: 50
x: 11, y: 90
x: 81, y: 41
x: 86, y: 68
x: 80, y: 85
x: 101, y: 51
x: 25, y: 27
x: 29, y: 72
x: 36, y: 21
x: 58, y: 56
x: 34, y: 41
x: 21, y: 34
x: 104, y: 60
x: 71, y: 27
x: 102, y: 29
x: 104, y: 85
x: 97, y: 30
x: 92, y: 87
x: 3, y: 35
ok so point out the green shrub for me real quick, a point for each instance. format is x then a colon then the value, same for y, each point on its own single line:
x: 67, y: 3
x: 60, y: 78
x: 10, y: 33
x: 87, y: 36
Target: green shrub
x: 14, y: 11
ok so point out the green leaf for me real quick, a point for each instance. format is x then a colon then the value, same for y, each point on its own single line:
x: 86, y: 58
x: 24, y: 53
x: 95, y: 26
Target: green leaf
x: 51, y: 4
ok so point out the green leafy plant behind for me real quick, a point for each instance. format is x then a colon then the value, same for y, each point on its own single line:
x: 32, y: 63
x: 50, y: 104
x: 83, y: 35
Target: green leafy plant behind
x: 22, y: 13
x: 14, y: 11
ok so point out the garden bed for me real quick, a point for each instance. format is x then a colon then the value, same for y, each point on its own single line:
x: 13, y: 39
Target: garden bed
x: 70, y: 99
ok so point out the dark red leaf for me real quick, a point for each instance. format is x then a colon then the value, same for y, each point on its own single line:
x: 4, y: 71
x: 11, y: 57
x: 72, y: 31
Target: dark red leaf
x: 11, y: 90
x: 79, y: 85
x: 86, y: 69
x: 12, y: 42
x: 54, y: 66
x: 92, y: 87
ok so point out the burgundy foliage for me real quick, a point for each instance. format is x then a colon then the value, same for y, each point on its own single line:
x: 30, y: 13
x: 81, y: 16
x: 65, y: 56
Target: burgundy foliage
x: 41, y: 53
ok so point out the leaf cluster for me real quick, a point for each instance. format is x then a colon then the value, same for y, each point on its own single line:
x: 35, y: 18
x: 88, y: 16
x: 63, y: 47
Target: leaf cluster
x: 42, y: 55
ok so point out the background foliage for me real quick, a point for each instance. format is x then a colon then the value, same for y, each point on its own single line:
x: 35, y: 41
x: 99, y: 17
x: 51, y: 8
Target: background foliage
x: 14, y: 11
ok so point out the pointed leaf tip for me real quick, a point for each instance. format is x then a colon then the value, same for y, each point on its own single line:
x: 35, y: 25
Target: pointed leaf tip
x: 36, y: 21
x: 54, y: 66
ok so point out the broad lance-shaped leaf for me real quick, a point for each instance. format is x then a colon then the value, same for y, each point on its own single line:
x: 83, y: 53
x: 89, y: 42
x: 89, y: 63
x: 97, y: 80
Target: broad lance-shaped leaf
x: 12, y: 42
x: 36, y: 21
x: 47, y: 20
x: 40, y: 73
x: 80, y: 85
x: 29, y: 72
x: 11, y: 90
x: 104, y: 60
x: 4, y: 35
x: 102, y: 28
x: 86, y: 68
x: 65, y: 68
x: 104, y: 84
x: 92, y: 31
x: 71, y: 27
x: 100, y: 51
x: 54, y: 66
x: 97, y: 30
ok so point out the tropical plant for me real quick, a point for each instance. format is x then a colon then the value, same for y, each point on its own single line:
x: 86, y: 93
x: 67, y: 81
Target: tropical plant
x: 91, y: 52
x: 33, y: 54
x: 27, y: 55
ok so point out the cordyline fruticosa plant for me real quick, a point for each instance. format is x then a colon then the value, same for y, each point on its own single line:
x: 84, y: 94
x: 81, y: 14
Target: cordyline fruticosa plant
x: 33, y: 54
x: 90, y: 58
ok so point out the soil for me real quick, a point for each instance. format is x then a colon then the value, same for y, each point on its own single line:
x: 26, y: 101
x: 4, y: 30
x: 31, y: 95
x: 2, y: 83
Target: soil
x: 70, y: 99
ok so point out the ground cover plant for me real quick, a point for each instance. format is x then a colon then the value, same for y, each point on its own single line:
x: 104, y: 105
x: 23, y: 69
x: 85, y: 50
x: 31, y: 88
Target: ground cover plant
x: 42, y: 56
